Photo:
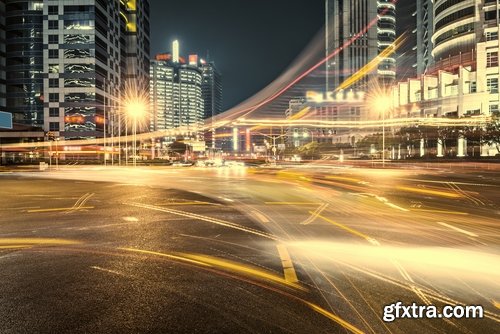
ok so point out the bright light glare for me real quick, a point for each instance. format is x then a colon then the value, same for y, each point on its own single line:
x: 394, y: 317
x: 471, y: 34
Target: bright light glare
x: 136, y: 109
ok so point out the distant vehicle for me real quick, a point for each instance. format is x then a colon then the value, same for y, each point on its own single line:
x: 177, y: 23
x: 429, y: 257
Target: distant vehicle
x: 295, y: 157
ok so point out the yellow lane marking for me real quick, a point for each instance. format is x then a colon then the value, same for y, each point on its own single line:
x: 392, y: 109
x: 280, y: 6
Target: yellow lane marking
x: 170, y: 256
x: 28, y: 242
x: 261, y: 217
x: 286, y: 262
x: 496, y: 304
x: 187, y: 203
x: 59, y: 209
x: 342, y: 178
x: 14, y: 246
x: 350, y: 230
x: 441, y: 211
x: 243, y: 269
x: 334, y: 318
x: 291, y: 203
x: 430, y: 192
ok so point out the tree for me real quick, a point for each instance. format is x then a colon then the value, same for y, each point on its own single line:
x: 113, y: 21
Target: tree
x: 491, y: 134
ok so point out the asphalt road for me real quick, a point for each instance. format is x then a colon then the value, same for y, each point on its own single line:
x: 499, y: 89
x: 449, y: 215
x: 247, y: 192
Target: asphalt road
x: 236, y: 250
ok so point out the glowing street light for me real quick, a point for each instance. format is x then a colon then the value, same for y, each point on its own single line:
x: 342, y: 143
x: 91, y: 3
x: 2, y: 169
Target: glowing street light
x: 382, y: 103
x: 136, y: 109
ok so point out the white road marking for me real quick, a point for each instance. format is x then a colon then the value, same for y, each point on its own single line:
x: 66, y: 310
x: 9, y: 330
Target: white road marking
x: 226, y: 199
x: 261, y: 217
x: 130, y: 219
x: 458, y: 229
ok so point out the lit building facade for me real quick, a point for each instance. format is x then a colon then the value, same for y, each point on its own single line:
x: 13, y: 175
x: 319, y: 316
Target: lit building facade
x: 24, y: 61
x: 423, y: 29
x: 68, y: 62
x: 176, y: 95
x: 92, y: 52
x: 345, y: 19
x: 3, y: 59
x: 463, y: 81
x: 211, y: 88
x: 342, y: 107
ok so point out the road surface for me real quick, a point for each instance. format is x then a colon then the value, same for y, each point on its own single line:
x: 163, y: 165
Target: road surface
x: 240, y: 250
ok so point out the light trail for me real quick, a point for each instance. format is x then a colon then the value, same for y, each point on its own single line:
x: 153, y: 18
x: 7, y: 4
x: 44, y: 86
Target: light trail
x: 248, y: 110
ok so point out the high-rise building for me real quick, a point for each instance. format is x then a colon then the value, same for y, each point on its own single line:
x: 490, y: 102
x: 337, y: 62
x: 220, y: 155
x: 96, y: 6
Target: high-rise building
x: 212, y: 89
x: 24, y: 61
x: 423, y: 29
x: 70, y: 62
x: 345, y: 19
x: 93, y: 51
x: 176, y: 94
x: 3, y: 73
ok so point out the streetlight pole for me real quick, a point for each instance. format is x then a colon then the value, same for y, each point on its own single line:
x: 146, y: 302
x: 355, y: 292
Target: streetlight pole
x: 383, y: 138
x: 134, y: 144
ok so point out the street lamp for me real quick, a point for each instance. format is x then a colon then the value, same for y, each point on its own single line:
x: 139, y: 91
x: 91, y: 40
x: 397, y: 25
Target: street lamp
x: 136, y: 109
x: 382, y: 103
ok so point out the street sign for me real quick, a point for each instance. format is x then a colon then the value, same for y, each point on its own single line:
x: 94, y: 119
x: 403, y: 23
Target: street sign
x: 5, y: 120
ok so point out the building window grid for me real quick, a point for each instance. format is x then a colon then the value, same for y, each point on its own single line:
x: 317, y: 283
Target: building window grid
x: 492, y: 59
x: 492, y: 85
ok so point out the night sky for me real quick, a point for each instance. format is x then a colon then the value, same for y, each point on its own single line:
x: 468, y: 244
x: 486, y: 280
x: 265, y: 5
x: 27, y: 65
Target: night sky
x: 251, y: 41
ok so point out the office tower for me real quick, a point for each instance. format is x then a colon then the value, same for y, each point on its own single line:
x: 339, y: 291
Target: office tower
x: 24, y: 61
x: 176, y: 94
x: 345, y: 19
x: 70, y: 62
x: 423, y: 30
x: 212, y: 88
x: 3, y: 44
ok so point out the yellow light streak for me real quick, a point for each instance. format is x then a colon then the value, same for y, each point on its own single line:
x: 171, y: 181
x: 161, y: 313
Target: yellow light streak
x: 348, y: 229
x: 334, y: 318
x: 292, y: 203
x: 59, y: 209
x: 441, y: 211
x: 372, y: 65
x: 430, y: 192
x: 242, y: 269
x: 170, y: 256
x: 268, y: 123
x: 29, y: 242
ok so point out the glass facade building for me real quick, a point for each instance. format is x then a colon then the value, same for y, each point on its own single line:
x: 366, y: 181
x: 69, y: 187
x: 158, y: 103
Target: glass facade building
x: 176, y: 97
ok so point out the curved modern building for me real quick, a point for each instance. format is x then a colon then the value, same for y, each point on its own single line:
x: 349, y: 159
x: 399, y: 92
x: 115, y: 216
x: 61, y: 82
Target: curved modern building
x: 386, y: 35
x: 459, y: 25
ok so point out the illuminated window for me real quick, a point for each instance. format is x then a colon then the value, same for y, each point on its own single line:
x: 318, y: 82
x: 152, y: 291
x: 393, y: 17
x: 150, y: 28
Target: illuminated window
x: 53, y: 68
